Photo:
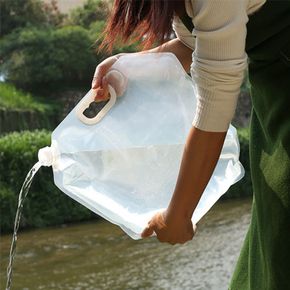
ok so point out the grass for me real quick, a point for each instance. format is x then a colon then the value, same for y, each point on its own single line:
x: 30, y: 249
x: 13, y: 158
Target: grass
x: 12, y: 98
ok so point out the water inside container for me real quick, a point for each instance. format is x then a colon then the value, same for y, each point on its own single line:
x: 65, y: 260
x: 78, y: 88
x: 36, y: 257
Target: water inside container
x: 119, y: 190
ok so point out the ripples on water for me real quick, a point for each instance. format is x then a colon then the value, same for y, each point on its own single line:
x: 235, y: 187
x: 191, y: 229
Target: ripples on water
x: 99, y: 256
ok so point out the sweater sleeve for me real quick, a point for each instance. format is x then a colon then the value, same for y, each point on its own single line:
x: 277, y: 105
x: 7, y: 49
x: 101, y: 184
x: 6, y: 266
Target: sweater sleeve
x: 182, y: 33
x: 219, y: 60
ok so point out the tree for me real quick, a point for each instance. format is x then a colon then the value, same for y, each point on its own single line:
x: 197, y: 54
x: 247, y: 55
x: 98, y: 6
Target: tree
x: 91, y: 12
x: 18, y: 14
x: 45, y: 60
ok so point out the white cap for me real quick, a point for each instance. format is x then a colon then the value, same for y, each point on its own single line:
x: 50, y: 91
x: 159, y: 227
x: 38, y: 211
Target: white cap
x: 46, y: 156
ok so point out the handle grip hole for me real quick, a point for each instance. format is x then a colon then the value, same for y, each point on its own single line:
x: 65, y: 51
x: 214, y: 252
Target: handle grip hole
x: 94, y: 108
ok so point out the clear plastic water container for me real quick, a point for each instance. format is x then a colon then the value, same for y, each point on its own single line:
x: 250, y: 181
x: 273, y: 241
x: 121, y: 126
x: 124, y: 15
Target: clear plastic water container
x: 123, y: 163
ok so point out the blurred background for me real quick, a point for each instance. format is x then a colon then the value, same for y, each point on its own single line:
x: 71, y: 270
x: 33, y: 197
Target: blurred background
x: 48, y: 54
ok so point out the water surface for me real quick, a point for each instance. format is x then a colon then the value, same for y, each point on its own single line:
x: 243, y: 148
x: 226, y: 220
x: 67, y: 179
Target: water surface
x: 98, y: 255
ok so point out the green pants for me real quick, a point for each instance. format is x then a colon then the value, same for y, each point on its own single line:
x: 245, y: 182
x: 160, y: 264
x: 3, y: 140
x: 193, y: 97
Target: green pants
x: 264, y: 262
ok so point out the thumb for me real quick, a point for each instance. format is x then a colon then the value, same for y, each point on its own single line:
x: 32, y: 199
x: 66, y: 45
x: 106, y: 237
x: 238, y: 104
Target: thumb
x: 147, y: 232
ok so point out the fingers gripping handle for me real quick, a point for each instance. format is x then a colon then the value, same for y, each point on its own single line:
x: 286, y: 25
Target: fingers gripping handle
x: 87, y: 100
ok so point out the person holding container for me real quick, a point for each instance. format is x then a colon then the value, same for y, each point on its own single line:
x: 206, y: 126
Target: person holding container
x: 216, y: 41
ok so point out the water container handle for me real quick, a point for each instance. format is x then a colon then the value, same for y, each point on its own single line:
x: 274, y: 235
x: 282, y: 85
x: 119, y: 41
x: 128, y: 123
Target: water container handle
x: 87, y: 100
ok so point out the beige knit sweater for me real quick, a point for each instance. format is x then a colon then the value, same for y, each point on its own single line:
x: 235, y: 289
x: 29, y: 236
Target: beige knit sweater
x: 219, y: 58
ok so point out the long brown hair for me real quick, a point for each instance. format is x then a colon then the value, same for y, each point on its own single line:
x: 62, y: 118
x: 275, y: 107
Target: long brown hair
x: 147, y: 21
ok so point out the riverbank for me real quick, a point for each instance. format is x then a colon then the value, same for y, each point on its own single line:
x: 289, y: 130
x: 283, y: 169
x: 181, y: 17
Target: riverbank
x: 20, y: 110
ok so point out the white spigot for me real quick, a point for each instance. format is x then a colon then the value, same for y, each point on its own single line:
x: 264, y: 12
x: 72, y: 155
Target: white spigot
x: 46, y: 156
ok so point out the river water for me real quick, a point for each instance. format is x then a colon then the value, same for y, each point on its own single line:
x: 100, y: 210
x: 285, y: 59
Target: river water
x: 98, y: 255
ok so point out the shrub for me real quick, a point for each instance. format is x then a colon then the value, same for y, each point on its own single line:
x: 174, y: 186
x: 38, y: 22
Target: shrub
x: 45, y: 204
x: 12, y: 98
x: 21, y: 111
x: 8, y: 201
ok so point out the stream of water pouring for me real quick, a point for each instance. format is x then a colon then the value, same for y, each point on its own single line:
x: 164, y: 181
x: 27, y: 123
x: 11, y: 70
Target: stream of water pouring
x: 22, y: 195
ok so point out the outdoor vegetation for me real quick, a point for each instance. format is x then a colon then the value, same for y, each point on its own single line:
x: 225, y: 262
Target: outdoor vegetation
x: 45, y: 55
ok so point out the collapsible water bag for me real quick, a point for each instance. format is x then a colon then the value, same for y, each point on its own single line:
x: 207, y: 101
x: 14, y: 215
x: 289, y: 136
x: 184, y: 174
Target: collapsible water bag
x: 123, y: 163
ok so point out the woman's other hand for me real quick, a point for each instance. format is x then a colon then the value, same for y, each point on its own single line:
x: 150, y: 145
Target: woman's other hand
x: 170, y: 229
x: 100, y: 81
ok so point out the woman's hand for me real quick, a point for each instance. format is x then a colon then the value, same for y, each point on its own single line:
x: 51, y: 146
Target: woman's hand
x: 201, y: 152
x: 170, y: 229
x: 100, y: 81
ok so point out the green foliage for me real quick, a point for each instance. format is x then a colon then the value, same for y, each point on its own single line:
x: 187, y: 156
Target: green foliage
x: 8, y: 201
x: 45, y: 60
x: 12, y: 98
x: 45, y: 204
x: 96, y: 30
x: 18, y: 152
x: 21, y: 111
x: 18, y: 14
x: 244, y: 186
x: 44, y: 53
x: 91, y: 12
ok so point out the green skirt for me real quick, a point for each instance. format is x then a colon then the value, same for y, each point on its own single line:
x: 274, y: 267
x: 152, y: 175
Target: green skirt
x: 264, y: 262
